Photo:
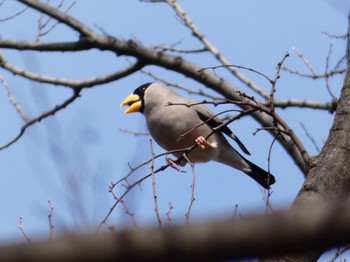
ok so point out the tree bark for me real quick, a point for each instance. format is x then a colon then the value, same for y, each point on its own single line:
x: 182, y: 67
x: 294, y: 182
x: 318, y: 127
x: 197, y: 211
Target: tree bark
x: 240, y: 238
x: 329, y: 179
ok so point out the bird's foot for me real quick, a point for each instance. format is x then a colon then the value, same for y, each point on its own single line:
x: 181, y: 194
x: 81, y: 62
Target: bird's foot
x: 203, y: 143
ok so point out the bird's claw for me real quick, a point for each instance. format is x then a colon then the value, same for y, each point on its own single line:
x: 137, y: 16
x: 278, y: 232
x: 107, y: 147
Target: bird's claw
x: 203, y: 143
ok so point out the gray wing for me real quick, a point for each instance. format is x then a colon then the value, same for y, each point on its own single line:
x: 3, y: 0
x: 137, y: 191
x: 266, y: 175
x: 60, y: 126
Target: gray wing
x: 205, y: 115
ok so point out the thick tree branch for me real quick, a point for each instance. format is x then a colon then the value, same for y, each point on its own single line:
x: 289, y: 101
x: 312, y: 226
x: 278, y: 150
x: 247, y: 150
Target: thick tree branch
x: 47, y: 46
x: 321, y: 227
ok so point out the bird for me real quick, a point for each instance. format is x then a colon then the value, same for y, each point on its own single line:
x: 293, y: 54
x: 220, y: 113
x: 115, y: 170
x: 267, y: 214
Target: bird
x: 177, y: 123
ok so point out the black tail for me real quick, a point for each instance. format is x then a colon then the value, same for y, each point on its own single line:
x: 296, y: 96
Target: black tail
x: 264, y: 178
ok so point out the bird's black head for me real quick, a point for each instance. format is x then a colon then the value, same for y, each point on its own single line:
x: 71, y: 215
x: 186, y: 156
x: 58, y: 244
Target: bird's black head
x: 140, y: 91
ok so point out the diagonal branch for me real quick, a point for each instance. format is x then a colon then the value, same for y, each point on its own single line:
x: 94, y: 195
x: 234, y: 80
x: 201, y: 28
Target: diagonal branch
x: 209, y: 46
x: 41, y: 117
x: 75, y: 84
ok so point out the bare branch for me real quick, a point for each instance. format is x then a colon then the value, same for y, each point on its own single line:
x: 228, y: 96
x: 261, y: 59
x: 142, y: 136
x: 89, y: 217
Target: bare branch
x: 193, y: 185
x: 210, y: 47
x: 237, y: 66
x: 42, y: 25
x: 75, y: 84
x: 130, y: 187
x: 317, y: 76
x: 310, y: 137
x: 181, y: 87
x: 268, y: 191
x: 178, y: 50
x: 136, y: 133
x: 47, y: 46
x: 274, y: 81
x: 155, y: 195
x: 41, y: 117
x: 20, y: 226
x: 14, y: 15
x: 306, y: 62
x: 127, y: 209
x: 285, y: 103
x: 222, y: 240
x: 327, y: 78
x: 51, y: 225
x: 13, y: 100
x: 168, y: 213
x: 60, y: 16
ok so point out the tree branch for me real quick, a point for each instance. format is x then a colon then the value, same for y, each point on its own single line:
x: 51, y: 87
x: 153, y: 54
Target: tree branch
x: 316, y: 227
x: 74, y: 46
x: 41, y: 117
x: 210, y: 47
x: 75, y: 84
x: 60, y: 16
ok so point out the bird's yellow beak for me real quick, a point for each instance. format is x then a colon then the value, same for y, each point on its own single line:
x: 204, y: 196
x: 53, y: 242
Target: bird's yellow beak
x: 134, y: 103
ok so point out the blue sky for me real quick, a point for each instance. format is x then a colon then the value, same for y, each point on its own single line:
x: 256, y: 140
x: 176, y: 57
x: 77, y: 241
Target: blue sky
x: 71, y: 158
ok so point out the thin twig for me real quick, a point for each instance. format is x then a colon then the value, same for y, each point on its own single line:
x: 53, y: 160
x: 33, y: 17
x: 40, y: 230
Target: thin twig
x: 282, y: 127
x: 136, y: 133
x: 192, y: 199
x: 211, y: 48
x: 317, y: 76
x: 126, y: 208
x: 75, y: 84
x: 310, y: 137
x: 274, y: 82
x: 168, y: 213
x: 154, y: 187
x: 13, y: 101
x: 237, y: 66
x: 14, y: 15
x: 41, y: 25
x: 62, y: 17
x: 179, y: 50
x: 306, y: 62
x: 268, y: 193
x: 129, y: 188
x: 41, y: 117
x: 20, y: 226
x: 51, y: 225
x: 334, y: 98
x: 181, y: 87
